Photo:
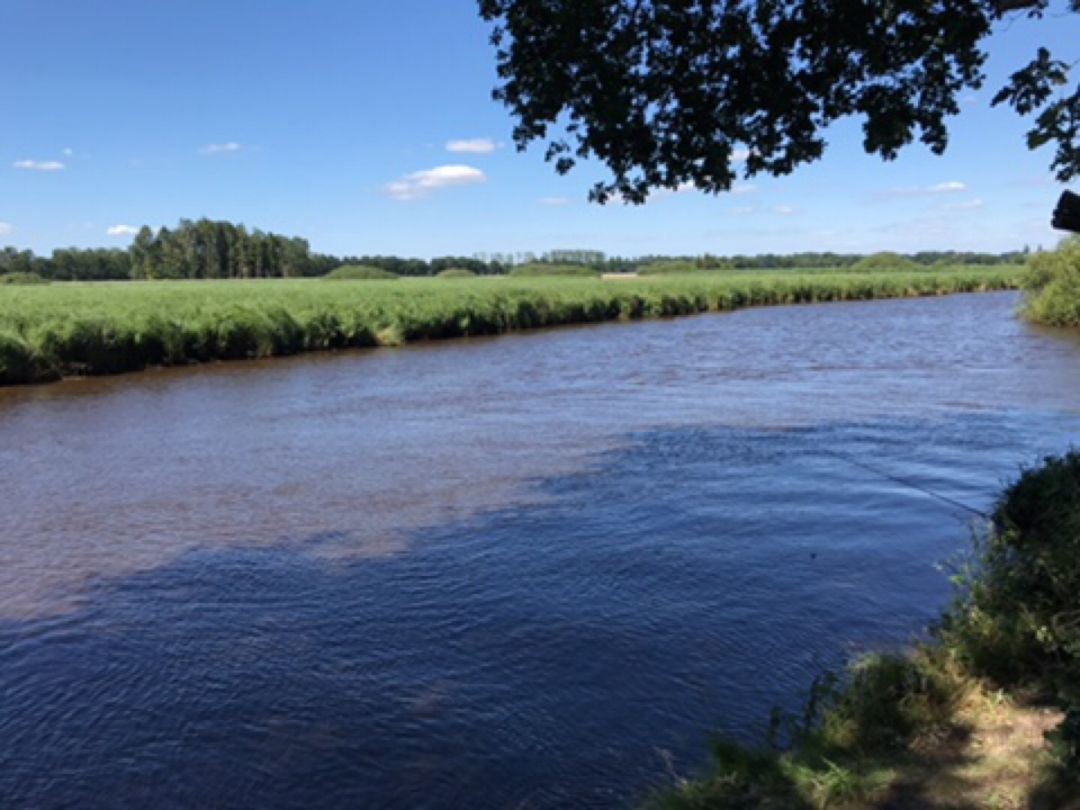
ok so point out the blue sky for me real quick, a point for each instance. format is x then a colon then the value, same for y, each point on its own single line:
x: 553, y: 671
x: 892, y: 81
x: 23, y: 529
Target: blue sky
x: 368, y: 127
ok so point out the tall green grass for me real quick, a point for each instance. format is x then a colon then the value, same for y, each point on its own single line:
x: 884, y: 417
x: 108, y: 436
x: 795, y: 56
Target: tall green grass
x: 73, y: 329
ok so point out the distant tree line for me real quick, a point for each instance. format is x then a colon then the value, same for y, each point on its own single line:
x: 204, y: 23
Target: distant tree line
x: 68, y: 264
x: 201, y: 249
x: 207, y: 249
x: 423, y: 267
x: 818, y: 260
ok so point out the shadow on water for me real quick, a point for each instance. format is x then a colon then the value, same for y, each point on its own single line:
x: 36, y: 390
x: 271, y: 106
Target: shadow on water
x: 533, y: 655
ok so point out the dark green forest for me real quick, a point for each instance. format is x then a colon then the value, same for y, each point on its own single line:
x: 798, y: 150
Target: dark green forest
x: 208, y: 249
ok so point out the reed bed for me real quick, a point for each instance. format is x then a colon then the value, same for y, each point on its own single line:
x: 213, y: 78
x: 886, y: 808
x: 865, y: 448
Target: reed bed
x: 59, y: 330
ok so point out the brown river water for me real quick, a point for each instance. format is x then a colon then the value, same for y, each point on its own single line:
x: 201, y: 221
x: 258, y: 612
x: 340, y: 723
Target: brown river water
x: 530, y: 571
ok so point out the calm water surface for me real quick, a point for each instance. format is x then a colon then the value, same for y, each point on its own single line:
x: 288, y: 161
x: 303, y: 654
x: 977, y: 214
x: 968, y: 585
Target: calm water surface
x: 528, y: 572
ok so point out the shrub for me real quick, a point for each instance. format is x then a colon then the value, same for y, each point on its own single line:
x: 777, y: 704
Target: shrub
x: 884, y: 261
x: 1020, y: 620
x: 358, y: 272
x: 668, y: 268
x: 538, y: 269
x: 457, y: 272
x: 1052, y: 284
x: 21, y: 278
x: 1016, y: 622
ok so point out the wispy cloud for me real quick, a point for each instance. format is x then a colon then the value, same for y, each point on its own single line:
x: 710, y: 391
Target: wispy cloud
x: 740, y: 155
x: 966, y: 205
x: 661, y: 193
x: 743, y: 188
x: 40, y: 165
x: 472, y: 146
x: 6, y: 228
x: 947, y: 187
x: 67, y: 151
x: 122, y: 230
x: 784, y: 210
x: 421, y: 184
x: 228, y: 148
x: 554, y: 200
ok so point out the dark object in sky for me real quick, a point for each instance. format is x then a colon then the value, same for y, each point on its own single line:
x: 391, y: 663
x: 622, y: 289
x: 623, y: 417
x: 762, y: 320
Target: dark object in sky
x: 1067, y: 213
x: 671, y: 94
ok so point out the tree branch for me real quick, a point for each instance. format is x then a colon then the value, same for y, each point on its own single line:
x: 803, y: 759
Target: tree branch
x: 1005, y: 6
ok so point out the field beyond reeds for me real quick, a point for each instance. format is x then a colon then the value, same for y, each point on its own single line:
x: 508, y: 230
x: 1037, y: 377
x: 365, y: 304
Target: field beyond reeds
x: 59, y: 330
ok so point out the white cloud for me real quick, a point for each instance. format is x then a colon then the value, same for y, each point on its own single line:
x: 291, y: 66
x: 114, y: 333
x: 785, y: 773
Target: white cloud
x: 420, y: 184
x: 784, y: 210
x: 122, y: 230
x: 67, y: 151
x: 967, y: 205
x: 40, y: 165
x: 742, y: 210
x: 554, y: 200
x: 949, y: 187
x: 472, y: 146
x: 743, y: 188
x: 662, y: 193
x: 222, y: 148
x: 740, y: 155
x: 6, y: 228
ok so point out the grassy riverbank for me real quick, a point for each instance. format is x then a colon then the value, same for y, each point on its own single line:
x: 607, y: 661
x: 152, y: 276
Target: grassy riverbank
x: 960, y: 721
x: 57, y: 330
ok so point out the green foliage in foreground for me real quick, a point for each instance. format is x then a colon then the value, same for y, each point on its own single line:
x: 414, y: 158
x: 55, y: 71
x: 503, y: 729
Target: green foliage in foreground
x: 1019, y: 621
x: 1015, y: 624
x: 67, y: 329
x: 358, y: 272
x: 22, y: 278
x: 539, y: 270
x: 1052, y: 284
x: 456, y: 272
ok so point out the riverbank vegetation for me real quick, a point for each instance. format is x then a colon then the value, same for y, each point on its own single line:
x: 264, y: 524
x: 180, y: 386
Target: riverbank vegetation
x: 959, y: 721
x: 58, y: 330
x: 1052, y: 285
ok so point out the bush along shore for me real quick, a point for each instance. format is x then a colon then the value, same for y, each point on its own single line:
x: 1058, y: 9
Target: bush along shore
x: 58, y: 330
x: 984, y: 714
x: 1052, y: 286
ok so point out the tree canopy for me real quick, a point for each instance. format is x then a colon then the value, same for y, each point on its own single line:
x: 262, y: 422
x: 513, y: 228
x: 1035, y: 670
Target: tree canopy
x: 670, y: 92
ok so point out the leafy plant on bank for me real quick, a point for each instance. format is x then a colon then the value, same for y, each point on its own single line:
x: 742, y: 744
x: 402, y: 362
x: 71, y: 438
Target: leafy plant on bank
x: 1015, y: 625
x: 1052, y: 285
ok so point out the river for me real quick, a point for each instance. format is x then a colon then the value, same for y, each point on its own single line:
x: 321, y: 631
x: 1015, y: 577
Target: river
x: 530, y: 571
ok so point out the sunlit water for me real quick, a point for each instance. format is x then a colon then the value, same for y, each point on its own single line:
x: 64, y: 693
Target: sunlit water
x: 531, y: 571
